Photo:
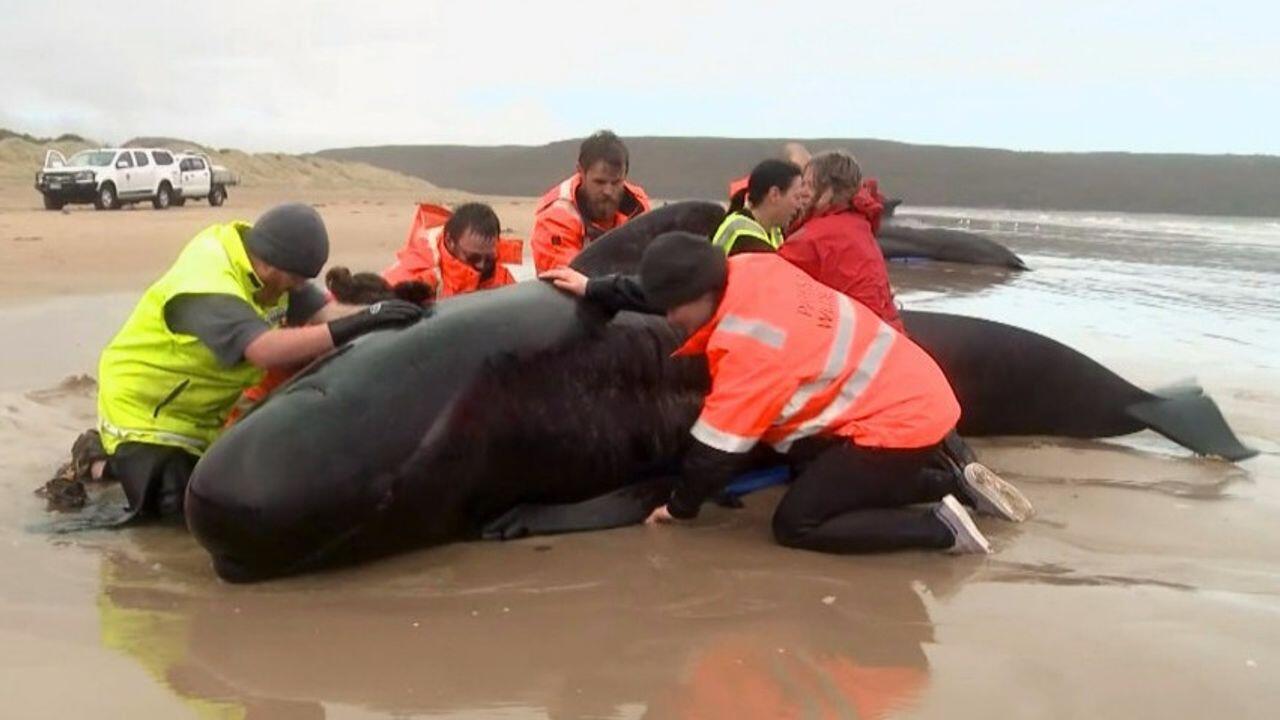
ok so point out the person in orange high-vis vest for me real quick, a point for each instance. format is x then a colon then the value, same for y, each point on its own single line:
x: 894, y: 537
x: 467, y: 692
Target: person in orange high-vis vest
x: 581, y: 208
x: 859, y: 409
x: 455, y: 252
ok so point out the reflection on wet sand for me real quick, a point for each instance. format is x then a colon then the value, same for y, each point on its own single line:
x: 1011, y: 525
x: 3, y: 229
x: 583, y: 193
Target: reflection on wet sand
x: 915, y: 279
x: 716, y: 623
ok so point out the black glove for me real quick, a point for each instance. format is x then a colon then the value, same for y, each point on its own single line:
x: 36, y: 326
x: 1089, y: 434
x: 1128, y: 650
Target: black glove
x: 379, y: 314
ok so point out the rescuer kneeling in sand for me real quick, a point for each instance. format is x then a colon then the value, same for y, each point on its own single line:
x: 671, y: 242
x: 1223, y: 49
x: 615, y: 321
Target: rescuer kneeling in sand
x: 859, y: 409
x: 237, y: 302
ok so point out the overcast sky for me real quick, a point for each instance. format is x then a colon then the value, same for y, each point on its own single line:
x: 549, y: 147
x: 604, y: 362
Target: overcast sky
x: 1166, y: 76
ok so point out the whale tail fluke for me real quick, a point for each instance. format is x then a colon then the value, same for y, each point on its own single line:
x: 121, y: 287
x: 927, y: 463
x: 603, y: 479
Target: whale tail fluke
x: 1187, y: 416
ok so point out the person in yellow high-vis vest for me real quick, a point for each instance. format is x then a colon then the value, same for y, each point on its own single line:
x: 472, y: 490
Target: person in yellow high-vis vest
x: 774, y: 197
x: 236, y: 302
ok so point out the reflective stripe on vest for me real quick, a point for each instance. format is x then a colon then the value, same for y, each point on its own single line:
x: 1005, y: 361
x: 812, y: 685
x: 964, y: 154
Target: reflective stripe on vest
x: 850, y: 390
x: 804, y: 360
x: 723, y: 441
x: 837, y: 360
x: 759, y: 330
x: 432, y: 239
x: 836, y: 357
x: 737, y: 225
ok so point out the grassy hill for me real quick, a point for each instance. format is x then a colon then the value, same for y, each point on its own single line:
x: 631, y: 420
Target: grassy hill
x: 923, y: 174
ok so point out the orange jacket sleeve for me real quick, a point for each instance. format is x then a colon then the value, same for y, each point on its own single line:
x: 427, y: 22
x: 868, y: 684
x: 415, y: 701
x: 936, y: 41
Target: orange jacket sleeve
x: 557, y: 238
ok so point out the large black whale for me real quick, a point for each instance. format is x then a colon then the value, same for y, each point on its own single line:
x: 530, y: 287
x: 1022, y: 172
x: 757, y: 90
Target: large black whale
x: 524, y: 397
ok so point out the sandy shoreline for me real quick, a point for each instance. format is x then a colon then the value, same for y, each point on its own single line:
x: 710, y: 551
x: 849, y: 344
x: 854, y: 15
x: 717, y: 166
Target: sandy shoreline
x: 1148, y: 586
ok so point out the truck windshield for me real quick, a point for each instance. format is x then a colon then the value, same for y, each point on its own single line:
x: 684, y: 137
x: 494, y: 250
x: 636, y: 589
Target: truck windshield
x: 92, y: 158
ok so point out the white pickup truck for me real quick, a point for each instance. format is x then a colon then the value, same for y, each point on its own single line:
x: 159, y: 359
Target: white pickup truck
x: 199, y: 178
x: 111, y: 177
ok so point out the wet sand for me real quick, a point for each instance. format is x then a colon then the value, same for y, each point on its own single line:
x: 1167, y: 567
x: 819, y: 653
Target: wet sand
x: 1147, y: 586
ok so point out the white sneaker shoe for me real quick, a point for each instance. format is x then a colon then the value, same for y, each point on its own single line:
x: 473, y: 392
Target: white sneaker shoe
x: 969, y: 539
x: 992, y: 495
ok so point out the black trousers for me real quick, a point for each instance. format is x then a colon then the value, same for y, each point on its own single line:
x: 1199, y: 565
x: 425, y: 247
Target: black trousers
x: 154, y: 478
x: 849, y: 499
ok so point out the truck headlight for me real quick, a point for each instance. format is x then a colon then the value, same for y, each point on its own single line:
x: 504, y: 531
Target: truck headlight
x: 86, y: 176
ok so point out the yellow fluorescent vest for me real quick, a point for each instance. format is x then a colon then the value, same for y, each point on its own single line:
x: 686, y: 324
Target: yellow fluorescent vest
x: 736, y: 225
x: 164, y: 388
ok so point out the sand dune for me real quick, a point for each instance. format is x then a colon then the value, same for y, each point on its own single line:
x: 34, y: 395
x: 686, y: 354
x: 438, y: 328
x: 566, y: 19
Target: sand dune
x: 20, y: 158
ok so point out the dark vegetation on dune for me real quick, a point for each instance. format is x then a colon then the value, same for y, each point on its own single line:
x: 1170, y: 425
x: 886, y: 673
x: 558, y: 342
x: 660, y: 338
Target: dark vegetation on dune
x: 1247, y: 185
x: 5, y: 134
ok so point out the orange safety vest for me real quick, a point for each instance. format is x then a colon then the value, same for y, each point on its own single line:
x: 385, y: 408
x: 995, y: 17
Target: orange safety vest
x: 559, y: 230
x: 425, y: 258
x: 791, y: 358
x: 738, y: 186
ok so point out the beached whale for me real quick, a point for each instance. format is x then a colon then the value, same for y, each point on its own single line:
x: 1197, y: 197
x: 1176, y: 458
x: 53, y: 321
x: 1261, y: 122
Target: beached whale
x: 514, y: 398
x: 908, y: 240
x: 421, y: 435
x: 1012, y: 381
x: 904, y: 241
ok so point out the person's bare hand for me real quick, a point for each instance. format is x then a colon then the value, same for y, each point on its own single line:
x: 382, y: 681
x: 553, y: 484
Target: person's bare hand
x: 660, y: 516
x: 567, y: 279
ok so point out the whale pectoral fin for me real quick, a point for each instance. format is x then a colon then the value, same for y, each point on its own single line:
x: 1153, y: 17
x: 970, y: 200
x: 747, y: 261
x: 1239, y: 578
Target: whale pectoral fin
x: 1194, y: 422
x: 628, y: 505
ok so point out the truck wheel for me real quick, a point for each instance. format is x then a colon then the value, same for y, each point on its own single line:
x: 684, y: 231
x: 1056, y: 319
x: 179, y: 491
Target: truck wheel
x: 217, y: 195
x: 53, y: 203
x: 164, y: 196
x: 106, y: 199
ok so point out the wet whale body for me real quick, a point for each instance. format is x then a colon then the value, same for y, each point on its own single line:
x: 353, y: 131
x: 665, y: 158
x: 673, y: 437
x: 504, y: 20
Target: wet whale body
x: 521, y: 398
x: 1012, y: 381
x: 901, y: 241
x: 420, y: 436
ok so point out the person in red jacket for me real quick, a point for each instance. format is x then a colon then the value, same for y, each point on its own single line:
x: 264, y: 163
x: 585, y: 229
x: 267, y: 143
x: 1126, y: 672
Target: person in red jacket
x: 836, y: 244
x: 858, y: 409
x: 455, y: 252
x: 594, y: 200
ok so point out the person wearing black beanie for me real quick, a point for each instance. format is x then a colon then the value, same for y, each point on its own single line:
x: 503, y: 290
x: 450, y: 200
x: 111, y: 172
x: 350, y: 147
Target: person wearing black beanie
x: 236, y: 302
x: 860, y: 412
x: 290, y: 237
x: 682, y: 276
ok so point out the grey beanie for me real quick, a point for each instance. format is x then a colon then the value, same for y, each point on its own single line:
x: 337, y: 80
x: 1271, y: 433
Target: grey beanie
x: 290, y: 237
x: 679, y: 267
